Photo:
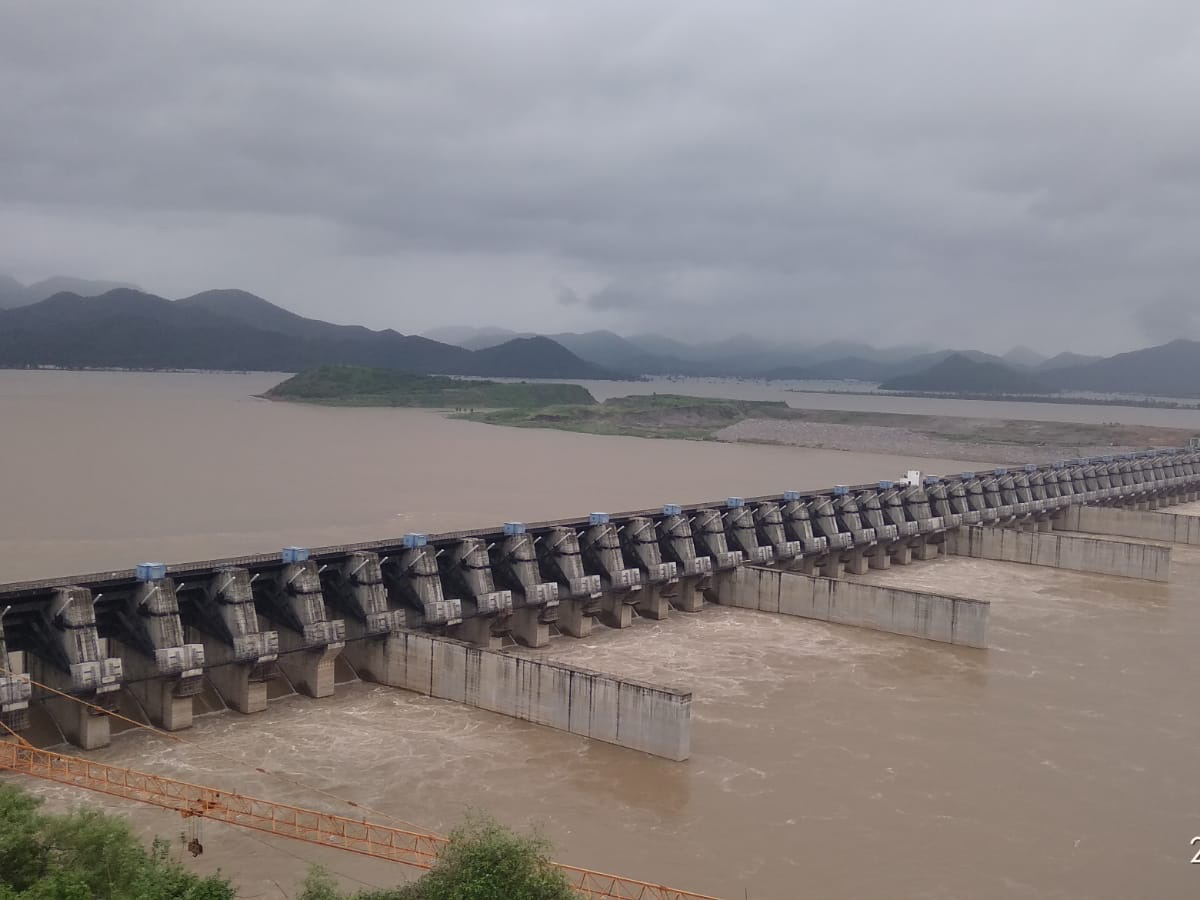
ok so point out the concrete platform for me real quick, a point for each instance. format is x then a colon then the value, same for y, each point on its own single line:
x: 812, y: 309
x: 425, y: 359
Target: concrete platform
x: 1126, y: 559
x: 646, y: 717
x: 934, y: 617
x: 1167, y: 526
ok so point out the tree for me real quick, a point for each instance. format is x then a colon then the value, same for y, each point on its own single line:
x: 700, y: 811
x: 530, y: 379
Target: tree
x: 482, y: 861
x: 88, y: 855
x: 22, y: 856
x: 486, y: 861
x: 318, y: 885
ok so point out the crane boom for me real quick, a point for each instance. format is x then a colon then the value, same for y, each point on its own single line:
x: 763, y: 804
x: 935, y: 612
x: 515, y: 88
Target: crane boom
x: 411, y: 848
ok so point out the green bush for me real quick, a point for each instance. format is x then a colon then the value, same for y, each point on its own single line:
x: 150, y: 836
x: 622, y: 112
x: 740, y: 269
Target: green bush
x: 483, y: 861
x: 88, y: 855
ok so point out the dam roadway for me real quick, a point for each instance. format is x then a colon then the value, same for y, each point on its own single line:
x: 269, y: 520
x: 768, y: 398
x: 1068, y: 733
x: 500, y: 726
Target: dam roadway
x: 434, y: 613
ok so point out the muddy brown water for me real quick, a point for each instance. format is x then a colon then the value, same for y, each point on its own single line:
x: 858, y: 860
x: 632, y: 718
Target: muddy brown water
x: 826, y: 762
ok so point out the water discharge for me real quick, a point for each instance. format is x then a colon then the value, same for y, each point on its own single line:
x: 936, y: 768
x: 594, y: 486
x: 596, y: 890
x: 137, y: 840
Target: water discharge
x: 826, y: 761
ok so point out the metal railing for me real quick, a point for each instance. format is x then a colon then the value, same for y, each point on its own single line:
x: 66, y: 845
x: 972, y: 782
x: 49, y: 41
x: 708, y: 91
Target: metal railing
x: 411, y: 848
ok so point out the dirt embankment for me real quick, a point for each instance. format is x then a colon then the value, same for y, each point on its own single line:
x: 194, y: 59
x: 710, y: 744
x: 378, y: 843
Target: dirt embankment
x: 901, y: 441
x: 1004, y: 441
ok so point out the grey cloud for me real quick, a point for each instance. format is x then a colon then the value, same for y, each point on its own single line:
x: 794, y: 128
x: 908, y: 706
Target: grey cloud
x: 828, y: 168
x: 1170, y: 318
x: 567, y: 296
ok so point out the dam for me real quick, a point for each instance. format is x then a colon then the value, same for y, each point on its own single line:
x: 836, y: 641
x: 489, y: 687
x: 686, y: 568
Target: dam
x: 437, y: 613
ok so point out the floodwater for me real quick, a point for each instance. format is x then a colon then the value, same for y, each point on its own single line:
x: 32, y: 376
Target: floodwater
x: 826, y: 762
x: 101, y: 470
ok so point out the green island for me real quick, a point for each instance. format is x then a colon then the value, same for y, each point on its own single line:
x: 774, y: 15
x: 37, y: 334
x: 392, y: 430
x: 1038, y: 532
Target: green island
x: 358, y: 386
x: 568, y: 407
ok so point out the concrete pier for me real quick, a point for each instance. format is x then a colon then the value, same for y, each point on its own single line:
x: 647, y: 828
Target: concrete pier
x: 15, y: 690
x: 309, y: 642
x: 163, y: 672
x: 72, y: 661
x: 934, y: 617
x: 654, y: 601
x: 1062, y: 551
x: 1151, y: 526
x: 240, y: 657
x: 690, y: 596
x: 650, y: 718
x: 243, y: 687
x: 574, y: 618
x: 528, y: 628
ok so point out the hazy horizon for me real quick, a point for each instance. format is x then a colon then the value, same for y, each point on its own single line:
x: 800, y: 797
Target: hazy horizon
x: 455, y: 333
x: 1022, y: 174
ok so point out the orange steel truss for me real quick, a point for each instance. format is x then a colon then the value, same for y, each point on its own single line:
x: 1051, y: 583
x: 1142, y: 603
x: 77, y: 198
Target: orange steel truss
x: 411, y: 848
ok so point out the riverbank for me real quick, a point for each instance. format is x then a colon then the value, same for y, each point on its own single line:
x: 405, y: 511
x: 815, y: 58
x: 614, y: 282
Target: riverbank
x: 571, y: 407
x: 1010, y: 441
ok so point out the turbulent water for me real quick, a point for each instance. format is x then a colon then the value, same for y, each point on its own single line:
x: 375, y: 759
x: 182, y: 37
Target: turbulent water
x: 826, y: 762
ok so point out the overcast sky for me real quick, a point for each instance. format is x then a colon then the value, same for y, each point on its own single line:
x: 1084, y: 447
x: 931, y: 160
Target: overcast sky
x: 970, y: 174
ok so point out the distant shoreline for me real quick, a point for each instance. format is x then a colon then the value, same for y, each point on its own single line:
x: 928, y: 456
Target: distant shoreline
x: 1147, y: 402
x: 1188, y: 402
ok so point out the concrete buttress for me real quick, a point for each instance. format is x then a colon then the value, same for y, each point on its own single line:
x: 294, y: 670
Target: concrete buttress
x: 241, y: 658
x: 68, y: 658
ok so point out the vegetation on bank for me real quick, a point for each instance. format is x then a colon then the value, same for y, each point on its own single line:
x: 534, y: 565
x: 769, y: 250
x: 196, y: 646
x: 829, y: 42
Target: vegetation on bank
x: 701, y: 418
x: 566, y: 407
x: 88, y: 855
x: 651, y: 415
x: 483, y: 861
x: 358, y: 386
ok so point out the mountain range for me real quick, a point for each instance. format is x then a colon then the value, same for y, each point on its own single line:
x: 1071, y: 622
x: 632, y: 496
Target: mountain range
x: 13, y: 293
x: 960, y: 373
x: 1171, y: 370
x: 235, y: 330
x: 99, y: 326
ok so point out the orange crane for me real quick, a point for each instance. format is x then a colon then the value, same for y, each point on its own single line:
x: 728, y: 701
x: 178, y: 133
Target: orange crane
x: 412, y: 848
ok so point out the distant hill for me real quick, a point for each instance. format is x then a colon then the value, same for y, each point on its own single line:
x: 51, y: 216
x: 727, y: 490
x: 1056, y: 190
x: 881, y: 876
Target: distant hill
x: 604, y: 348
x: 848, y: 368
x: 1170, y: 370
x: 839, y: 351
x: 470, y: 337
x: 495, y: 339
x: 958, y: 373
x: 13, y: 293
x: 857, y: 368
x: 255, y: 311
x: 740, y: 355
x: 534, y: 357
x: 660, y: 345
x: 1022, y: 357
x: 1066, y: 360
x: 234, y: 330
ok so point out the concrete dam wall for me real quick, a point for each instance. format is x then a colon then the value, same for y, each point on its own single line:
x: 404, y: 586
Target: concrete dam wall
x: 433, y: 613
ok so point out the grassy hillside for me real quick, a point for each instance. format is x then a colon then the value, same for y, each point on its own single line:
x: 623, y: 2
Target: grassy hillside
x: 357, y: 386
